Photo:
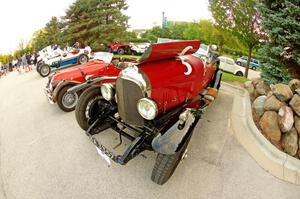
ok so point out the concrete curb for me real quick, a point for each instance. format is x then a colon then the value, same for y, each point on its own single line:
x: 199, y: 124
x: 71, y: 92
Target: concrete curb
x: 266, y: 155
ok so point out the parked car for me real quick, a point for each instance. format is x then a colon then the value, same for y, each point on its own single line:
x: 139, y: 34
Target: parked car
x: 62, y: 60
x: 159, y: 99
x: 254, y: 63
x: 227, y: 64
x: 59, y: 83
x: 120, y: 49
x: 139, y: 49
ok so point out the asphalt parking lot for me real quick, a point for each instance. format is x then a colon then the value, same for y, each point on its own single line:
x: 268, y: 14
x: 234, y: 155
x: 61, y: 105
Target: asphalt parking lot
x: 44, y: 154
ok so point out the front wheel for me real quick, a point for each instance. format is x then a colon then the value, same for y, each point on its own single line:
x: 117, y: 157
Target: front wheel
x: 165, y: 165
x: 38, y: 65
x: 67, y: 100
x: 44, y: 70
x: 89, y: 107
x: 121, y: 51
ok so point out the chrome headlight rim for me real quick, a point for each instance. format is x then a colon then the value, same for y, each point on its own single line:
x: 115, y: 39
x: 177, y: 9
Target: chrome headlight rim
x: 107, y: 91
x: 152, y: 104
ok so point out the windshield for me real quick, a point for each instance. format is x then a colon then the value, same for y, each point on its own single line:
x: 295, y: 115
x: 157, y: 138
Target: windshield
x: 104, y: 56
x: 203, y: 50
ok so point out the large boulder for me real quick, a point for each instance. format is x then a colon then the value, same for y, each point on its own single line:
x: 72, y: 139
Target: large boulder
x: 250, y: 88
x: 258, y: 105
x: 255, y: 81
x: 261, y: 88
x: 294, y: 84
x: 269, y: 125
x: 282, y: 92
x: 295, y: 104
x: 285, y: 119
x: 297, y: 91
x: 290, y: 142
x: 297, y: 124
x: 272, y: 104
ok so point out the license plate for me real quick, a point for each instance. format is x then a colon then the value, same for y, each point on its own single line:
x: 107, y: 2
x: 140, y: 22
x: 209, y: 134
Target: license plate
x: 104, y: 156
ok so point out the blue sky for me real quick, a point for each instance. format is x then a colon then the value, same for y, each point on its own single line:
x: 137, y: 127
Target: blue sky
x: 20, y: 18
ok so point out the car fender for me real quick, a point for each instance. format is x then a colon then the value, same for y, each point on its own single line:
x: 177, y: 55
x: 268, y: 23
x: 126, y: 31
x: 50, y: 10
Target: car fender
x: 174, y: 138
x: 60, y: 85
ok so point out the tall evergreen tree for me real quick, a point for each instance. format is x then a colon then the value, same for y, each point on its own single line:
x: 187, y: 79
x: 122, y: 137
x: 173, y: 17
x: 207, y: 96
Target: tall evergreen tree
x: 50, y: 34
x: 281, y: 52
x: 96, y: 22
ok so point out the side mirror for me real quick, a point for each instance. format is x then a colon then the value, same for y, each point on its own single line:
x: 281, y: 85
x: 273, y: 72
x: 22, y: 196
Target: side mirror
x: 214, y: 47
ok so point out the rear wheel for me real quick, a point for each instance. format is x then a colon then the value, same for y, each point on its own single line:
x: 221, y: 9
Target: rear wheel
x: 89, y: 107
x: 44, y: 70
x: 83, y: 59
x: 165, y: 165
x: 239, y: 73
x: 67, y: 100
x: 239, y: 63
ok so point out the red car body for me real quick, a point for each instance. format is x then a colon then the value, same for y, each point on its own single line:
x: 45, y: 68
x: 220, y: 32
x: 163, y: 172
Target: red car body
x: 77, y: 75
x: 160, y: 98
x: 170, y: 84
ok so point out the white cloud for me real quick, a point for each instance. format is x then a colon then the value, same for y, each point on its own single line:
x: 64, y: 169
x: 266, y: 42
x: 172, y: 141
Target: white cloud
x: 20, y: 18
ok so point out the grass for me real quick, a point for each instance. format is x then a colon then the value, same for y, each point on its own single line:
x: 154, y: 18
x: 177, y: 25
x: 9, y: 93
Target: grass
x: 233, y: 78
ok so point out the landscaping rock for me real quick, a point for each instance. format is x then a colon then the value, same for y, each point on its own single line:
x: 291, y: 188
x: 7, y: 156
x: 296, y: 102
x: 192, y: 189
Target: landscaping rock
x: 262, y: 88
x: 270, y: 94
x: 258, y: 105
x: 297, y: 124
x: 255, y: 81
x: 250, y: 88
x: 285, y: 119
x: 272, y: 104
x: 297, y: 91
x: 269, y: 125
x: 294, y: 84
x: 290, y: 142
x: 282, y: 92
x: 295, y: 104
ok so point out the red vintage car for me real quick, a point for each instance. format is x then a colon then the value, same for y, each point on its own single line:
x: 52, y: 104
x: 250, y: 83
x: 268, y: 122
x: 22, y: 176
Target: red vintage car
x: 159, y: 99
x: 60, y: 82
x: 120, y: 49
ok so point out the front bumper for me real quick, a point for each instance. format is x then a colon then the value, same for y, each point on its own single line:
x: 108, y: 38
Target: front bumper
x: 49, y: 96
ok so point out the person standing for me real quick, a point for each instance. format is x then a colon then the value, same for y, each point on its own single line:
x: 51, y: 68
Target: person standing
x: 24, y: 62
x: 28, y: 58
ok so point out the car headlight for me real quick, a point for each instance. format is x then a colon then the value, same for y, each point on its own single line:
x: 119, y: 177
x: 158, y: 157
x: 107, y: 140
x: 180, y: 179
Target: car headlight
x: 107, y: 91
x: 147, y: 108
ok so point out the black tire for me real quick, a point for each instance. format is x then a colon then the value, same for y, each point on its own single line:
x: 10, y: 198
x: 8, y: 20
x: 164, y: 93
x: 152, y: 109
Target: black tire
x: 239, y: 73
x: 44, y: 70
x: 165, y: 165
x: 67, y: 101
x: 239, y: 63
x: 83, y: 59
x: 121, y: 51
x: 38, y: 65
x: 87, y: 106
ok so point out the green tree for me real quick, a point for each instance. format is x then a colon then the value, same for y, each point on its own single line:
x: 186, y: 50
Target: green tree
x: 241, y: 18
x: 96, y: 22
x: 280, y: 53
x: 155, y: 33
x: 50, y: 34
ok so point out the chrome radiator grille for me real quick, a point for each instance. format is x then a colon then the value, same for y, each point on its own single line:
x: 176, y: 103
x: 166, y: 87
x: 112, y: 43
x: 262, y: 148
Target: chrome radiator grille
x: 128, y: 95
